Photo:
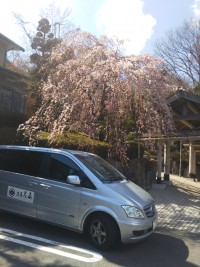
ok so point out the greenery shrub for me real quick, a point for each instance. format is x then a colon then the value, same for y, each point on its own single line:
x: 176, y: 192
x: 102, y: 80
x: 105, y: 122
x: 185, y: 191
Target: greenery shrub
x: 132, y: 150
x: 74, y: 141
x: 81, y: 141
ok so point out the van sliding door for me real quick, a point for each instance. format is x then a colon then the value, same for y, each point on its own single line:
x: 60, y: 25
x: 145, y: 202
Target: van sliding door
x: 58, y: 201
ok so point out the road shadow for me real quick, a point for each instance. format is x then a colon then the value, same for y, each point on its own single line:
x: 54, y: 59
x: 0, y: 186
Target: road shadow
x: 158, y: 250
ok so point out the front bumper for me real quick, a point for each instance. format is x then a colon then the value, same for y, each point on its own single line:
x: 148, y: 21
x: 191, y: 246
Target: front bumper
x: 134, y: 230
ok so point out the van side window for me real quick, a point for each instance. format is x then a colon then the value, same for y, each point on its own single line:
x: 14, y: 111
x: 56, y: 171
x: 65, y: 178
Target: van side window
x: 61, y: 167
x: 3, y: 160
x: 21, y: 161
x: 31, y: 163
x: 86, y: 183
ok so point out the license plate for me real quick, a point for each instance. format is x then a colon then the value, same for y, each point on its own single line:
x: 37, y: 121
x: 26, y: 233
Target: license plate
x: 20, y: 194
x: 155, y: 223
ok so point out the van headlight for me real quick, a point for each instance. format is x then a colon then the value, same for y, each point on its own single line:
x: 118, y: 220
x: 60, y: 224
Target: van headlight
x: 133, y: 212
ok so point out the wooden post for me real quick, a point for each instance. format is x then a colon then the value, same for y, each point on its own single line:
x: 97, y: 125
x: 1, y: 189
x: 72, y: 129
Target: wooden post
x: 180, y: 163
x: 138, y: 149
x: 159, y: 163
x: 167, y: 161
x: 192, y: 160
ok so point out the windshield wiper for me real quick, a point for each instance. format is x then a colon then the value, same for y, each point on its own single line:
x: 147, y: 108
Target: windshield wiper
x: 111, y: 179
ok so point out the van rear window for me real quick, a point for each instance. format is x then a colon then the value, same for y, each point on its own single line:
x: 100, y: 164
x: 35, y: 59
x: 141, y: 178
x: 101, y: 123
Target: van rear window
x: 21, y: 161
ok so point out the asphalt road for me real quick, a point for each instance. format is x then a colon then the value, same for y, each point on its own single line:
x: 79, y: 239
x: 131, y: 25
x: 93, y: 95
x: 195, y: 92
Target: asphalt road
x: 28, y: 243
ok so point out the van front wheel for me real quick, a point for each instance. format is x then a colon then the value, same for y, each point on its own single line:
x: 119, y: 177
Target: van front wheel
x: 102, y: 232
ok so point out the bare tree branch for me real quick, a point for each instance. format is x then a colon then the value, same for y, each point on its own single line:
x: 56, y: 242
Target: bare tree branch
x: 180, y: 51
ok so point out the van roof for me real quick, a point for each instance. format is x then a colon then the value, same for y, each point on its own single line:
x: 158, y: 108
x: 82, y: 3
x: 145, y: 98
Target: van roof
x: 42, y: 149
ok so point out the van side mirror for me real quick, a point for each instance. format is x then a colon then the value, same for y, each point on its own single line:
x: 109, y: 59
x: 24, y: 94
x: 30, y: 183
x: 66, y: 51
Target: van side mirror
x: 73, y: 179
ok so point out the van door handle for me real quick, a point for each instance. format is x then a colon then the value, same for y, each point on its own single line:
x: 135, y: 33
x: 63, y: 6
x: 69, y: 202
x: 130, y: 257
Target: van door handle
x: 45, y: 186
x: 33, y: 183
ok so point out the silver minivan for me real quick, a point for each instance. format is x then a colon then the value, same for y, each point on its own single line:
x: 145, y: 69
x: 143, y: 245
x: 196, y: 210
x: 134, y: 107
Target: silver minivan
x: 76, y: 190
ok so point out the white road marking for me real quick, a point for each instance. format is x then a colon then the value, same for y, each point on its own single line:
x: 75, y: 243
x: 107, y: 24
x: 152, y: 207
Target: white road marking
x: 95, y: 256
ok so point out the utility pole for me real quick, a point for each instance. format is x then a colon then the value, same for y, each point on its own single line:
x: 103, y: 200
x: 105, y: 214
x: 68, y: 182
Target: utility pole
x: 57, y: 29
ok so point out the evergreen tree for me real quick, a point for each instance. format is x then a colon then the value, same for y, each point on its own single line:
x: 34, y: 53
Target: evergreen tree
x: 42, y: 44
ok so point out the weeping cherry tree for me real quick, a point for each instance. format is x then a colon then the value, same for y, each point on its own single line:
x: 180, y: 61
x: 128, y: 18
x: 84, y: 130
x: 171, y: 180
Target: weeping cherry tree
x: 93, y: 88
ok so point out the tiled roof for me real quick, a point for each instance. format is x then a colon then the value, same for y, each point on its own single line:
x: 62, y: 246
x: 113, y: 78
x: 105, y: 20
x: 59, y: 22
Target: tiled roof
x: 10, y: 45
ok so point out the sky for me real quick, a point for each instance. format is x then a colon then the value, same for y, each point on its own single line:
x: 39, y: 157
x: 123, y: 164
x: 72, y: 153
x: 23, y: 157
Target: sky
x: 140, y: 23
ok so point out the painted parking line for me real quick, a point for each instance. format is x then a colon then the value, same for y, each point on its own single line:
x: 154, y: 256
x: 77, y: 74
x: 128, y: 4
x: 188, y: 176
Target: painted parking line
x: 91, y: 256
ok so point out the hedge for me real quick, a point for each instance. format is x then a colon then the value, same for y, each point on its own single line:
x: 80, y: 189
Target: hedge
x: 81, y: 141
x: 68, y: 140
x: 74, y: 141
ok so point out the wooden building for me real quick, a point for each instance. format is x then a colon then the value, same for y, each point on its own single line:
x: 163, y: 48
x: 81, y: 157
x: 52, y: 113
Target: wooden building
x: 12, y: 83
x: 186, y: 115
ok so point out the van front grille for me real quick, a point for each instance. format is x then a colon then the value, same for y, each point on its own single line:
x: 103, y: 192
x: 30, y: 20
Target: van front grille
x: 149, y: 210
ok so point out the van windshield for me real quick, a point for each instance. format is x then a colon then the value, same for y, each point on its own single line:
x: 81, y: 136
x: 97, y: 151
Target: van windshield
x: 104, y: 171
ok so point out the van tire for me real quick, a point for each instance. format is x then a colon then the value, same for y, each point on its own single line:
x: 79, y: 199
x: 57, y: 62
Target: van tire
x: 102, y: 231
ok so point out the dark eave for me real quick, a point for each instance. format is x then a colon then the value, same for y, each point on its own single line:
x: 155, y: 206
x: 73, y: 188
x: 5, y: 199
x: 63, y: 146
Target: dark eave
x: 184, y: 96
x: 13, y: 72
x: 185, y: 109
x: 183, y: 135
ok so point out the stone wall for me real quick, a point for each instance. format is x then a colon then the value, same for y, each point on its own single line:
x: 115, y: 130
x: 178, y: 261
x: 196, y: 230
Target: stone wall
x: 140, y: 171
